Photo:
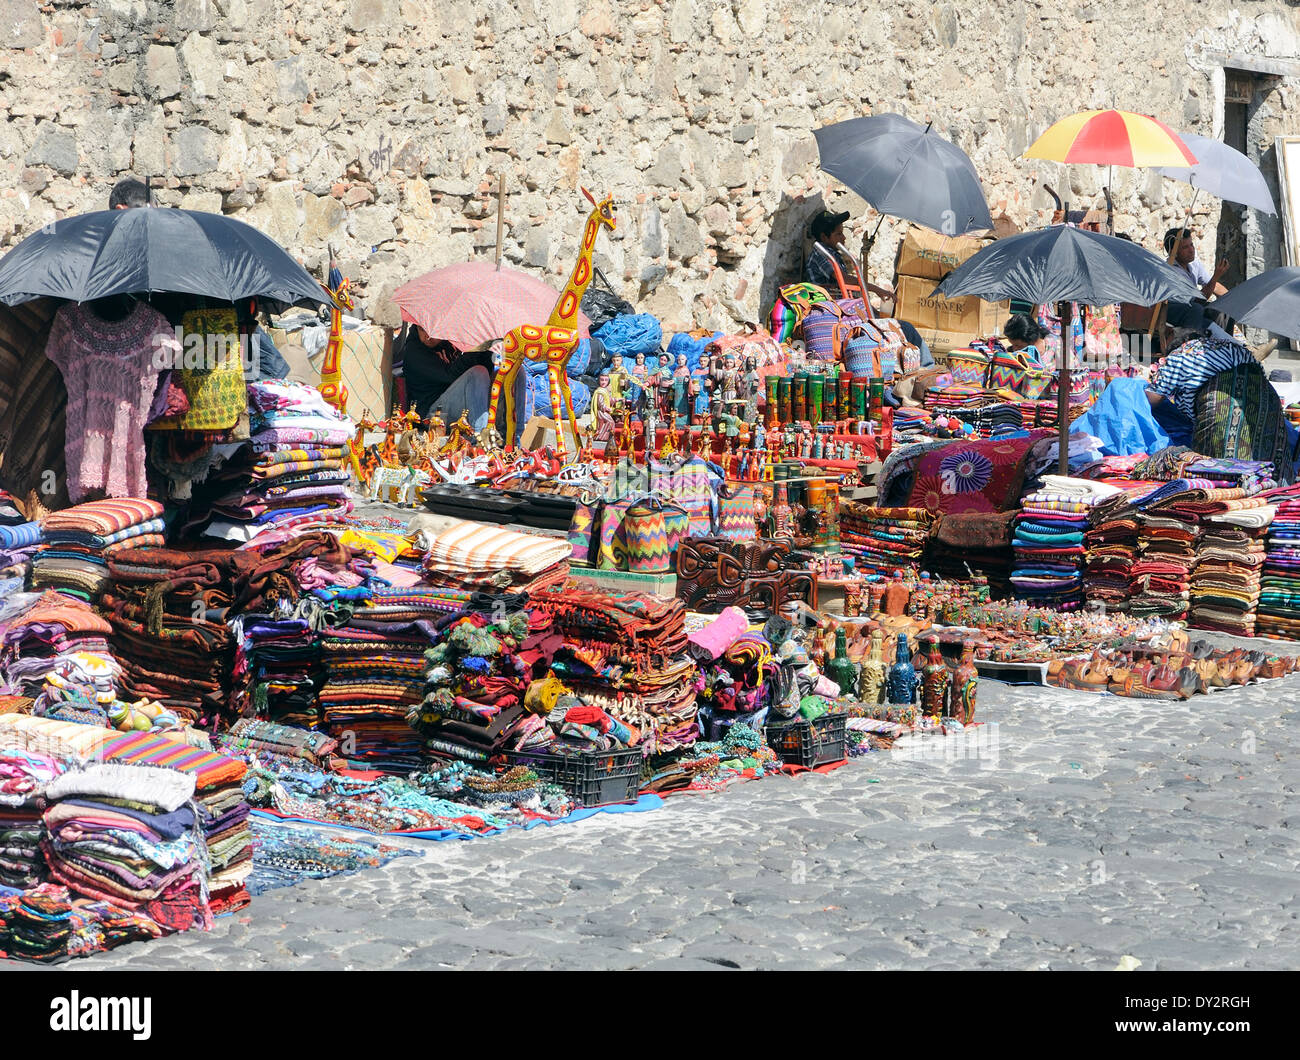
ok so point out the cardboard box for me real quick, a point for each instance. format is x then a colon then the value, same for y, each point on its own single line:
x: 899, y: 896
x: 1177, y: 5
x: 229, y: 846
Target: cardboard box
x: 932, y: 256
x: 945, y: 318
x: 367, y: 368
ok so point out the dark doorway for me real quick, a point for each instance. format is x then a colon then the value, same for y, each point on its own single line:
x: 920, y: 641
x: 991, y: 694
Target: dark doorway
x: 1230, y: 244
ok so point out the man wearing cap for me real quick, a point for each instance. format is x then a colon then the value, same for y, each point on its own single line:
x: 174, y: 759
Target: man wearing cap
x: 823, y: 265
x: 1185, y: 259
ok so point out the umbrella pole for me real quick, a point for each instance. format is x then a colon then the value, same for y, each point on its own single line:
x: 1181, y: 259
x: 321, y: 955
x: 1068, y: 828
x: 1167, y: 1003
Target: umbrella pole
x: 501, y: 213
x: 1063, y: 389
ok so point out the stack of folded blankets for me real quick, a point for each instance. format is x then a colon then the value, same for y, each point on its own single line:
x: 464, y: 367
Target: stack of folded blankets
x: 978, y: 543
x: 885, y: 538
x: 1162, y: 575
x: 475, y: 685
x: 1225, y: 583
x: 1278, y: 613
x: 81, y: 541
x: 626, y: 653
x: 127, y: 834
x: 374, y: 671
x: 64, y: 740
x: 168, y: 609
x: 280, y: 660
x: 219, y: 797
x: 1229, y: 530
x: 1112, y: 550
x: 1048, y: 540
x: 282, y: 743
x: 298, y: 471
x: 461, y: 554
x: 954, y: 396
x: 23, y: 776
x: 42, y: 630
x: 1250, y: 476
x: 49, y: 924
x: 20, y: 541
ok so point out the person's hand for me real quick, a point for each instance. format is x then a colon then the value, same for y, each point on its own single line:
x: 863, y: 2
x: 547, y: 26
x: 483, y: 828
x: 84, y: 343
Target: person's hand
x: 1220, y: 270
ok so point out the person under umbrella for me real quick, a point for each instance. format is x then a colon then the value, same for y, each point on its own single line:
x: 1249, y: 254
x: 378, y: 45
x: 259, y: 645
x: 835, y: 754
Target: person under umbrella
x: 1185, y: 259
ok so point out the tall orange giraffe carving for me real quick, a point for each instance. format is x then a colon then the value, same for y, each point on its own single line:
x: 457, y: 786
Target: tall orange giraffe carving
x: 553, y: 342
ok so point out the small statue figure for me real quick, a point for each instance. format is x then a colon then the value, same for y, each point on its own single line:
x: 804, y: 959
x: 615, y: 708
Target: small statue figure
x: 965, y: 684
x: 935, y: 680
x: 871, y: 678
x: 437, y: 433
x: 681, y: 371
x: 602, y: 409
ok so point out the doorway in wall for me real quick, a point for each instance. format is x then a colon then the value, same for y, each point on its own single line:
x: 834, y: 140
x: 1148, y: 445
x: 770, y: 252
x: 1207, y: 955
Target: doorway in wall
x: 1230, y: 246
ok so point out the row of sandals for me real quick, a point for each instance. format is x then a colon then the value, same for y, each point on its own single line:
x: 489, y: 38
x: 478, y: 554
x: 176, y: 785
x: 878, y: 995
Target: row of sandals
x: 1172, y: 668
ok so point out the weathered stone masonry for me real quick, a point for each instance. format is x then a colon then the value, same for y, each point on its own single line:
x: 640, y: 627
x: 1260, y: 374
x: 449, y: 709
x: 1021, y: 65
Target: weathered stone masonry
x: 380, y: 125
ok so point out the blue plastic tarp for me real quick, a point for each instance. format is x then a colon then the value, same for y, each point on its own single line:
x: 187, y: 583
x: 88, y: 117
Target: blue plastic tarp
x: 1123, y: 420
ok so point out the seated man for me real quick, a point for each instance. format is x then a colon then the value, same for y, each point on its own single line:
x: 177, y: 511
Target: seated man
x: 825, y: 264
x: 440, y: 377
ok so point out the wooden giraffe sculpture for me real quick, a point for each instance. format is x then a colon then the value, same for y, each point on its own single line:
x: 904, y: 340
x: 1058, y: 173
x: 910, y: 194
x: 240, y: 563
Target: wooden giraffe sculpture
x: 553, y: 342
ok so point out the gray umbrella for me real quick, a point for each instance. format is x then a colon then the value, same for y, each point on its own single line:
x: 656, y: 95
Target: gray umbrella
x: 1270, y: 300
x: 1223, y: 171
x: 1063, y: 264
x: 906, y: 170
x: 95, y: 255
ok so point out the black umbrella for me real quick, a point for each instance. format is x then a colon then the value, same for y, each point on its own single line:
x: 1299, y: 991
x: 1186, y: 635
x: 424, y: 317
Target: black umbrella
x: 1063, y: 264
x: 906, y: 170
x: 109, y: 252
x: 1270, y: 300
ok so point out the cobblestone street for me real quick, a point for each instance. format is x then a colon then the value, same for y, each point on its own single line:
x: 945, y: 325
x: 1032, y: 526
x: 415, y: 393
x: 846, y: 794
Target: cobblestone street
x: 1087, y: 829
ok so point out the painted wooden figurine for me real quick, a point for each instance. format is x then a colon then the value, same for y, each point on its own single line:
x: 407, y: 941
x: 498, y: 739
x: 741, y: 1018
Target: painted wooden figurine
x: 552, y: 342
x: 935, y: 679
x: 871, y: 678
x: 965, y: 684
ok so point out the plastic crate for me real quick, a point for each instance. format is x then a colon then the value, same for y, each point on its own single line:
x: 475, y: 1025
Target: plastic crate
x: 594, y: 779
x: 810, y: 743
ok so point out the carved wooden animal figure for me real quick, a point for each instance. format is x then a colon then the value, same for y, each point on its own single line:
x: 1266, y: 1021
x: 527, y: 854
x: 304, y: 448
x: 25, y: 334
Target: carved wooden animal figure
x: 405, y: 482
x: 554, y: 341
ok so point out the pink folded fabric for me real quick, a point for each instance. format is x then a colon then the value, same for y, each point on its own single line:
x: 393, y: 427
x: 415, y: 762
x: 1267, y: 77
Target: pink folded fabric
x: 718, y: 635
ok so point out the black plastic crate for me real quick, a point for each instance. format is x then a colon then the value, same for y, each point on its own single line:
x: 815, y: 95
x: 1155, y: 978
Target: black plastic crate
x: 594, y: 778
x: 810, y: 743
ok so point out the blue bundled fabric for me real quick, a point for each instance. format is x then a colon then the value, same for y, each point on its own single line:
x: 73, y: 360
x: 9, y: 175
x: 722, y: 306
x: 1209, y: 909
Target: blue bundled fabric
x: 1123, y: 420
x: 693, y: 348
x: 539, y: 396
x: 626, y: 336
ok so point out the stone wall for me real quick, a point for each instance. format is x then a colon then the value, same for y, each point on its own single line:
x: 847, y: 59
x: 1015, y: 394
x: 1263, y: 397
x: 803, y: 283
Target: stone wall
x: 380, y: 126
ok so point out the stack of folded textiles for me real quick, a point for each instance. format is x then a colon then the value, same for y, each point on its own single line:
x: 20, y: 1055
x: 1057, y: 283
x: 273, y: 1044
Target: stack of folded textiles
x: 1279, y: 598
x: 1226, y: 580
x: 40, y: 630
x: 956, y: 396
x: 20, y: 542
x: 280, y: 659
x: 1048, y: 540
x: 979, y: 543
x: 219, y: 797
x: 374, y: 671
x: 81, y: 541
x: 284, y: 742
x: 48, y: 924
x: 127, y: 834
x: 23, y: 776
x: 168, y: 609
x: 298, y: 467
x: 1161, y: 577
x: 461, y: 554
x: 626, y: 653
x: 909, y: 422
x: 64, y: 740
x: 1250, y: 476
x: 1112, y: 550
x: 475, y: 684
x: 884, y: 538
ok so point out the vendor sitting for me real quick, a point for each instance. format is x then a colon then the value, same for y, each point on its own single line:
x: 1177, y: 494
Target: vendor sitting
x: 1023, y: 333
x: 440, y: 377
x: 826, y: 259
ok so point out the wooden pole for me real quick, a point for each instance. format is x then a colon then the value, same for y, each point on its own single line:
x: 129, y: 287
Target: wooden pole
x: 1063, y: 389
x: 501, y: 213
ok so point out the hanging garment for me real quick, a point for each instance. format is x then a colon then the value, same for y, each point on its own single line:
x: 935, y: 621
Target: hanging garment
x: 110, y: 369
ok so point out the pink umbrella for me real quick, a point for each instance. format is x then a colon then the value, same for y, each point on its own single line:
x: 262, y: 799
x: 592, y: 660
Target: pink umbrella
x: 475, y: 303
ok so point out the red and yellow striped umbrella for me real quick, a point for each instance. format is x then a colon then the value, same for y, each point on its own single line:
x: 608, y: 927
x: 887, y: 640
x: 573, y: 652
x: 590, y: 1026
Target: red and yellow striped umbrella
x: 1112, y: 138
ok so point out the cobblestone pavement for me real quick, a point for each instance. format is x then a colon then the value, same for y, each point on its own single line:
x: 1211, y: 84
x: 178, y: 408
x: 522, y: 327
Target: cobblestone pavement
x: 1085, y: 828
